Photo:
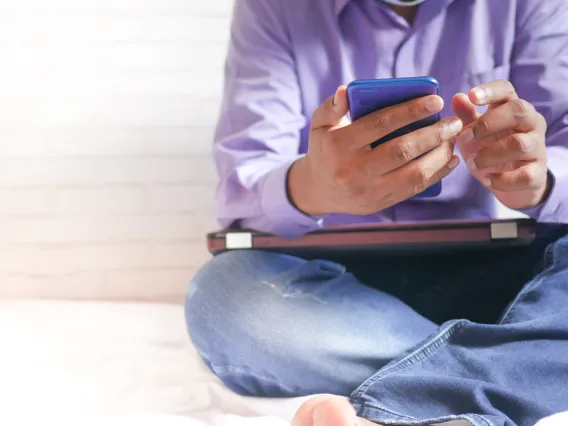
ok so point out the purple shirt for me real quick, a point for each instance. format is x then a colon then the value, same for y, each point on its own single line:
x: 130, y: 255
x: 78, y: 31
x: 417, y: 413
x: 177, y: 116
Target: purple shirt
x: 287, y: 56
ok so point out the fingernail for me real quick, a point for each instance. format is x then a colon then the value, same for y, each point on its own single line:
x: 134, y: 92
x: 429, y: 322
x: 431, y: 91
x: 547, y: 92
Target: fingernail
x: 486, y: 182
x: 466, y: 136
x: 480, y: 94
x: 434, y: 105
x: 335, y: 96
x: 454, y: 162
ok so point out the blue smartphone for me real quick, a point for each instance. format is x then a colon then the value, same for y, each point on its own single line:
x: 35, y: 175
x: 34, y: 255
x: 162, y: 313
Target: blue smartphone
x: 367, y: 96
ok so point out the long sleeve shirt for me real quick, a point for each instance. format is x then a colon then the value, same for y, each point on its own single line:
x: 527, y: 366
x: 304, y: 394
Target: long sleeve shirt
x: 286, y: 57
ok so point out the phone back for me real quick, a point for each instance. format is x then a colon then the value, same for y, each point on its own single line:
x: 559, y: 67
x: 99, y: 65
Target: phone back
x: 367, y: 96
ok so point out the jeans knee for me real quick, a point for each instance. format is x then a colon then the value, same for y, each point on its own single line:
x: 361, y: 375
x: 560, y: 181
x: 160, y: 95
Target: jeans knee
x: 272, y: 324
x: 243, y: 300
x: 224, y: 299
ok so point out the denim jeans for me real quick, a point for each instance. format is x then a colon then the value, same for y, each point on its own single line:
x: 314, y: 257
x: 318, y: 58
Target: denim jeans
x: 481, y: 337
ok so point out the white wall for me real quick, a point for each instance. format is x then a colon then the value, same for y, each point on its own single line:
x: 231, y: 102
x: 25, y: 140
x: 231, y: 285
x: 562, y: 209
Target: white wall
x: 107, y: 110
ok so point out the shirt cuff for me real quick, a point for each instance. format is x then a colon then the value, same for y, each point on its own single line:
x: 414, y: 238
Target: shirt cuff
x: 555, y: 208
x: 286, y: 220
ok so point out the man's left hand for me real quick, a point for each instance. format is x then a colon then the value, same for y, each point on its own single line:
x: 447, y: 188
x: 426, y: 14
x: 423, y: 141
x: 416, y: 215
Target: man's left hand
x: 505, y: 148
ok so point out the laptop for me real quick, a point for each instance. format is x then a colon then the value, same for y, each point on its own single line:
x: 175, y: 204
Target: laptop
x: 423, y: 238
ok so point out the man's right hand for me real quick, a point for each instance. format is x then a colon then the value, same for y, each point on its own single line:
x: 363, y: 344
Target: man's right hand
x: 342, y: 174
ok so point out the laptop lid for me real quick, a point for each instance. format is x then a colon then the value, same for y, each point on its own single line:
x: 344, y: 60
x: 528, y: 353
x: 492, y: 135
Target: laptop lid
x: 399, y: 238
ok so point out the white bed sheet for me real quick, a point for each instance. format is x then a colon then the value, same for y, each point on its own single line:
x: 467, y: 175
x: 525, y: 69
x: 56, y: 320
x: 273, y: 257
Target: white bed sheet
x: 111, y: 359
x: 116, y: 363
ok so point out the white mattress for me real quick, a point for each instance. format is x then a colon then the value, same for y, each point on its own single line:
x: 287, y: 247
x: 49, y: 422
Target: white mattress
x: 116, y: 363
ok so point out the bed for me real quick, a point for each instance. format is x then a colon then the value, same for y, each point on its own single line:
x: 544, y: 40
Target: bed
x: 118, y: 363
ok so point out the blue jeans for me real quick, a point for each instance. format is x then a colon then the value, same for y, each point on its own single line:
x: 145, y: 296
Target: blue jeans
x: 413, y: 341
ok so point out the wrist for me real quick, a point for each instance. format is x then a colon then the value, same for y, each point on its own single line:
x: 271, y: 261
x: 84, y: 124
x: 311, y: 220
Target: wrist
x: 540, y: 196
x: 299, y: 186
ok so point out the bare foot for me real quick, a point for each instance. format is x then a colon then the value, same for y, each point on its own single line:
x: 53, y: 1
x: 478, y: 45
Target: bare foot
x: 328, y: 410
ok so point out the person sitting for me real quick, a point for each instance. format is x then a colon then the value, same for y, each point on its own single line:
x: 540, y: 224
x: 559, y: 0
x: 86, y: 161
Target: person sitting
x: 405, y: 340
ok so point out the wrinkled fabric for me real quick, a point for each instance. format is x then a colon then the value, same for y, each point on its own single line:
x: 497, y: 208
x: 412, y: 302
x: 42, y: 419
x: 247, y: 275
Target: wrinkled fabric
x: 286, y: 57
x: 481, y: 337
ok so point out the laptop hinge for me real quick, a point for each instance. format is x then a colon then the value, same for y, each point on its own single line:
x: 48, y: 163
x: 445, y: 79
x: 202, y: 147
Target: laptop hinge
x: 238, y: 240
x: 504, y: 231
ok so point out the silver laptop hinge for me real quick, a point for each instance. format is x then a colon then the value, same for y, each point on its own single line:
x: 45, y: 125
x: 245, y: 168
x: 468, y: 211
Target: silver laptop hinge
x: 504, y: 231
x: 238, y: 240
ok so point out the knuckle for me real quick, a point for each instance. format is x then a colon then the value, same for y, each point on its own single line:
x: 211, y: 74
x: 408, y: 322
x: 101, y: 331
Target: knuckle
x: 323, y: 111
x: 519, y: 143
x: 327, y: 107
x: 527, y: 178
x: 483, y: 126
x: 443, y: 132
x: 412, y: 112
x: 380, y: 122
x: 448, y: 151
x: 404, y: 150
x: 418, y: 188
x: 520, y: 108
x: 420, y: 176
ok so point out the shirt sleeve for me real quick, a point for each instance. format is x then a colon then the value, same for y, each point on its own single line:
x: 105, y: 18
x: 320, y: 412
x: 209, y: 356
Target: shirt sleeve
x: 258, y: 133
x: 540, y: 74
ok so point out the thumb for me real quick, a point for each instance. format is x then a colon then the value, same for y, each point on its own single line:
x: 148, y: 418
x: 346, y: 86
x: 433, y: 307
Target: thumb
x: 332, y: 112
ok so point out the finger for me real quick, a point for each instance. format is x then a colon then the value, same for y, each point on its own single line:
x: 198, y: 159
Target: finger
x: 379, y: 124
x: 517, y: 115
x: 527, y: 177
x: 464, y: 109
x: 397, y: 152
x: 516, y: 147
x: 326, y: 410
x: 305, y: 414
x: 422, y: 173
x: 499, y: 91
x: 334, y: 411
x: 332, y: 111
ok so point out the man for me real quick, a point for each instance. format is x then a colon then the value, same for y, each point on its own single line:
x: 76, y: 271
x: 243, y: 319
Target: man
x: 482, y: 338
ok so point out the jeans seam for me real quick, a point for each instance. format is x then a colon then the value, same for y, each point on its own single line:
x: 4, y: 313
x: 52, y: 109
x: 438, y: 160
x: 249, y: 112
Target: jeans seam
x: 481, y: 418
x: 378, y: 407
x: 420, y: 354
x: 474, y: 419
